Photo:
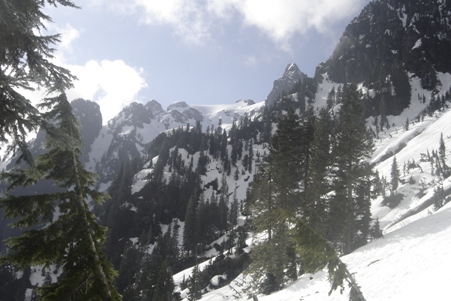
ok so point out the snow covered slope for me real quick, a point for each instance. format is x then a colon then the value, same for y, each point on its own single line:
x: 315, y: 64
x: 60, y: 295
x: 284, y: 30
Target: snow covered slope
x: 412, y: 260
x: 411, y: 263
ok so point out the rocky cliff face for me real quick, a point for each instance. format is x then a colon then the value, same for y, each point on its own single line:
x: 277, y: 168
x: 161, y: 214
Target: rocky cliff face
x: 285, y: 84
x: 390, y: 41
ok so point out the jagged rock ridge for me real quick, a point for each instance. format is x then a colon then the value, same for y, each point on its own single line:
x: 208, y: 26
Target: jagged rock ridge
x: 285, y: 84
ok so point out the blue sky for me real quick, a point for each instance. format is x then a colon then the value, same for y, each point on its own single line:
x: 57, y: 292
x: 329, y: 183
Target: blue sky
x: 201, y: 52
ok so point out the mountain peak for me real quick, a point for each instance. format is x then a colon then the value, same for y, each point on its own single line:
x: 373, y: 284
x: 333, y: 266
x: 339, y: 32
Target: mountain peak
x: 178, y: 105
x: 154, y: 107
x: 285, y: 84
x: 292, y: 70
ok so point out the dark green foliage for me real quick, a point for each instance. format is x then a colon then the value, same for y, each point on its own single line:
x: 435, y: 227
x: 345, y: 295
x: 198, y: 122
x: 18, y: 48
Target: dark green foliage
x: 130, y: 264
x: 72, y: 238
x: 316, y: 253
x: 269, y: 258
x: 394, y: 173
x: 194, y: 285
x: 331, y: 99
x: 25, y: 57
x: 440, y: 197
x: 444, y: 169
x: 269, y: 284
x: 393, y: 200
x: 316, y: 202
x: 223, y: 265
x: 115, y: 214
x: 276, y: 200
x: 12, y: 288
x: 164, y: 286
x: 189, y: 231
x: 375, y: 230
x: 349, y: 209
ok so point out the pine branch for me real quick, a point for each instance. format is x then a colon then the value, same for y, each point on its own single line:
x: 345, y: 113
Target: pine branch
x: 316, y: 252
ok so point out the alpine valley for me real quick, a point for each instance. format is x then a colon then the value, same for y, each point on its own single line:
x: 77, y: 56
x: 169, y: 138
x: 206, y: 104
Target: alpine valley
x: 186, y: 182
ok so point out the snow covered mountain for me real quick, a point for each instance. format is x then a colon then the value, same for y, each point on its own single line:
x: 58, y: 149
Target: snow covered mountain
x: 129, y: 133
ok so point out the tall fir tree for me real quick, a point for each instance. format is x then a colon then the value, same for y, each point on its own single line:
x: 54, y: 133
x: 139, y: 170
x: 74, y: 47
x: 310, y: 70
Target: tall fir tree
x: 394, y: 173
x: 315, y: 199
x: 445, y: 169
x: 306, y: 138
x: 276, y: 200
x: 353, y: 147
x: 164, y: 287
x: 194, y: 289
x: 67, y: 233
x: 189, y: 231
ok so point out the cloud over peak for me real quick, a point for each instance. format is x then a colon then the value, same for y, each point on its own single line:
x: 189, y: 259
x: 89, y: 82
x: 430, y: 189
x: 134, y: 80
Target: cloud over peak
x: 280, y: 20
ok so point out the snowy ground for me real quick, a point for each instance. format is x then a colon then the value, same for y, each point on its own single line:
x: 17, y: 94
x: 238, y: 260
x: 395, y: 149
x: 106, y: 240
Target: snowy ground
x: 411, y: 263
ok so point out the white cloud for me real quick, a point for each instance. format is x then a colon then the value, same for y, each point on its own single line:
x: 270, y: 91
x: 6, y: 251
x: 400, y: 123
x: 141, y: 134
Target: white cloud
x: 189, y: 18
x: 112, y: 84
x: 278, y: 19
x: 282, y: 19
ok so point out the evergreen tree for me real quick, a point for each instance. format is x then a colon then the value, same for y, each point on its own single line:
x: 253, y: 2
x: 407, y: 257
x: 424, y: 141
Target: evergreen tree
x: 353, y: 146
x: 285, y: 162
x: 69, y: 234
x: 233, y: 215
x: 223, y: 205
x: 189, y: 231
x: 330, y: 99
x: 251, y: 156
x: 316, y: 204
x: 442, y: 148
x: 164, y: 286
x: 128, y: 271
x: 114, y: 217
x: 174, y: 244
x: 316, y: 253
x: 147, y: 276
x: 394, y: 173
x: 202, y: 223
x: 194, y: 289
x: 375, y: 231
x: 276, y: 200
x: 306, y: 139
x: 25, y: 62
x: 442, y: 155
